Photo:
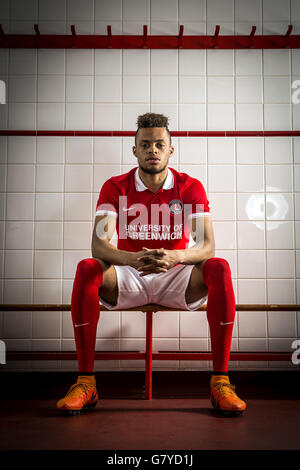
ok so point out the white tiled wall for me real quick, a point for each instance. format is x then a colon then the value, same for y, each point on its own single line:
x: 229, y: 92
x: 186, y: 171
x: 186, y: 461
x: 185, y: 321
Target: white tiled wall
x: 49, y: 185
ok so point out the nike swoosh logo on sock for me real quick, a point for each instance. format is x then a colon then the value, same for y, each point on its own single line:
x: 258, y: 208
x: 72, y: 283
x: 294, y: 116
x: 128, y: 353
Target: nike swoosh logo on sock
x: 81, y: 324
x: 228, y: 323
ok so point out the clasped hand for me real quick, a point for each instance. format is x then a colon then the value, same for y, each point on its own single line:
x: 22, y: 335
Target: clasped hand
x: 156, y: 261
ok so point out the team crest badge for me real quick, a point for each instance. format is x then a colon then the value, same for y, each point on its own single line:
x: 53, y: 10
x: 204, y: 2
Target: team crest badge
x: 175, y: 206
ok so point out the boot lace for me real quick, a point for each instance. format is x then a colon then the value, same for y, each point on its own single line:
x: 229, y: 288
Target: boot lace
x: 79, y: 389
x: 227, y: 390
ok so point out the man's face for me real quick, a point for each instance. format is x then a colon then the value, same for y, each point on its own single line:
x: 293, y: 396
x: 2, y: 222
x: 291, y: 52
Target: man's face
x: 153, y: 149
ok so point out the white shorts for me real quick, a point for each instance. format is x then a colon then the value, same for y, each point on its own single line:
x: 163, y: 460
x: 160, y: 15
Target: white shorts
x: 167, y: 288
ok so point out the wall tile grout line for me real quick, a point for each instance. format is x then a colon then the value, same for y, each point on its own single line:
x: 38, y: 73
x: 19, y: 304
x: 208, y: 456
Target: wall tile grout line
x: 66, y: 58
x: 293, y: 181
x: 6, y: 175
x: 236, y: 184
x: 5, y: 188
x: 262, y: 62
x: 32, y: 315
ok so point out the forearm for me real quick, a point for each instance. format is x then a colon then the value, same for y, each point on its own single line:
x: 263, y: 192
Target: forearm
x: 195, y: 254
x: 109, y: 253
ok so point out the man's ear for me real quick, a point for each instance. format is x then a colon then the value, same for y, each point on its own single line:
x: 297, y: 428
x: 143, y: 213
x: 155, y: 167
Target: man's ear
x: 134, y: 150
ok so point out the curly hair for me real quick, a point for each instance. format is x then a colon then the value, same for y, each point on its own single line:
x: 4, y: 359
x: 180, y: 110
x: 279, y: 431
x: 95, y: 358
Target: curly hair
x: 152, y: 120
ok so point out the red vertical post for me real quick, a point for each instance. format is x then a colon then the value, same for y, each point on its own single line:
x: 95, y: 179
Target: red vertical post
x: 148, y: 365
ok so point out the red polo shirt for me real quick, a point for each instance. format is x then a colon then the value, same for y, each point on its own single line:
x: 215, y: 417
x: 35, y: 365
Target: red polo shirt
x: 153, y: 220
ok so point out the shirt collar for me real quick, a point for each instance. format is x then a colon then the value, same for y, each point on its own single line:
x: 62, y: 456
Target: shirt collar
x: 139, y: 185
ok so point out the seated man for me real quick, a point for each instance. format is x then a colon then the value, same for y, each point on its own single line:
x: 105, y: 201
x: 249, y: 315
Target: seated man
x: 152, y: 262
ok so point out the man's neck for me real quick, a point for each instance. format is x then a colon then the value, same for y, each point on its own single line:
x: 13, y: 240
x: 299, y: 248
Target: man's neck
x: 153, y: 181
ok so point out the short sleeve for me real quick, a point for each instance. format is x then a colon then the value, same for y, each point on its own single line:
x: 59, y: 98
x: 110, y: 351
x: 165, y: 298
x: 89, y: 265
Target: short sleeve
x: 108, y: 200
x: 195, y: 200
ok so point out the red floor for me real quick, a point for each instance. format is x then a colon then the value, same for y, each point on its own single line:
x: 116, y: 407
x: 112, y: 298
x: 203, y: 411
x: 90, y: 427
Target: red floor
x: 157, y: 424
x: 177, y: 420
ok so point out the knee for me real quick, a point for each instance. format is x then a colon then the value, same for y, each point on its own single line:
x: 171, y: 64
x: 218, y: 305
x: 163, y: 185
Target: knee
x: 88, y: 266
x: 217, y: 269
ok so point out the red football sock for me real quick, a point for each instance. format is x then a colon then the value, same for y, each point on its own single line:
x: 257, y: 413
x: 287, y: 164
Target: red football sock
x: 85, y: 309
x: 220, y: 309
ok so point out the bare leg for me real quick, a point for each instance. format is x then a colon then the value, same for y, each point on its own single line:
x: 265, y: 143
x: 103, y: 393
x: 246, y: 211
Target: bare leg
x: 109, y: 289
x: 196, y: 288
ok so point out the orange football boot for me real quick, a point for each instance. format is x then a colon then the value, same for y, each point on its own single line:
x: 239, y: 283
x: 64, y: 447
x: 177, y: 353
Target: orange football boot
x: 81, y: 396
x: 223, y: 398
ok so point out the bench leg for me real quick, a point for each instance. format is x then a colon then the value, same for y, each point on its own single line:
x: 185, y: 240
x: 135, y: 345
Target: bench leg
x: 148, y: 365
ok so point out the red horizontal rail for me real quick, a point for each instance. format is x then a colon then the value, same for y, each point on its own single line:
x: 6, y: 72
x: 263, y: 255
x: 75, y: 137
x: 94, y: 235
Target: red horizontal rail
x: 66, y: 355
x: 234, y: 356
x: 159, y: 355
x: 74, y: 133
x: 145, y: 41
